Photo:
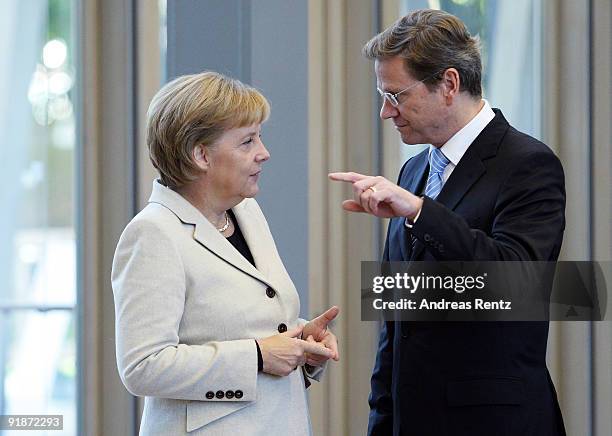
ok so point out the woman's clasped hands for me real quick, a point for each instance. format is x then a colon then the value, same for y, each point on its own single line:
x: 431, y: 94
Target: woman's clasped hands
x: 284, y: 352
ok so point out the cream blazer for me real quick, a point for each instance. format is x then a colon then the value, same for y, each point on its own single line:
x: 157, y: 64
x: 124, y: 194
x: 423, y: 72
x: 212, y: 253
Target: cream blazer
x: 187, y: 308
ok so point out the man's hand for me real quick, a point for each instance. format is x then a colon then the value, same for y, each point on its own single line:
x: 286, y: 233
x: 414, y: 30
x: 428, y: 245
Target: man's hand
x: 284, y: 352
x: 316, y: 331
x: 378, y: 196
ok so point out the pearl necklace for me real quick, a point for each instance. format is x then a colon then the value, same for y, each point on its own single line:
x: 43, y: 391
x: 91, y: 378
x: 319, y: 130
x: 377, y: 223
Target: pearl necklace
x: 227, y: 223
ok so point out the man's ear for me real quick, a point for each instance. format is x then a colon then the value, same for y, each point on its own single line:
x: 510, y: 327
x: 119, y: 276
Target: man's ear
x: 451, y: 83
x: 201, y: 157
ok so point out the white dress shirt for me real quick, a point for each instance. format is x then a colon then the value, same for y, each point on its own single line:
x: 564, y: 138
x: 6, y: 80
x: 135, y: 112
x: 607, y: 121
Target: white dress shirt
x: 457, y: 145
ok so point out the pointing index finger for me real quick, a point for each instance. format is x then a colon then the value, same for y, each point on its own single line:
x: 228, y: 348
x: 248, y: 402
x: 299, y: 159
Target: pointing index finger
x: 347, y: 177
x: 328, y: 316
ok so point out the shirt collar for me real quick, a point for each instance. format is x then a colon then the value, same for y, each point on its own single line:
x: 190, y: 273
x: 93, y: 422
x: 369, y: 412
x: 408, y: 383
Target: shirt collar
x: 457, y: 145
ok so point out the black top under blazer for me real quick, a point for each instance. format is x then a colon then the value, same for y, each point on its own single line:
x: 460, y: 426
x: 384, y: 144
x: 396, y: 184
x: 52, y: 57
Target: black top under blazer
x: 505, y: 200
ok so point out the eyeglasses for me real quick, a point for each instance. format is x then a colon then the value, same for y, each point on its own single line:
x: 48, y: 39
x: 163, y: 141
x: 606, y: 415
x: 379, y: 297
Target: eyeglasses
x: 392, y: 98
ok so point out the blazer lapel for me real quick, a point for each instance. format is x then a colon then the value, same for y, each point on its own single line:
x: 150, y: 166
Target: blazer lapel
x: 415, y: 183
x: 417, y: 176
x: 261, y: 243
x: 204, y: 232
x: 467, y: 172
x: 254, y: 237
x: 470, y: 168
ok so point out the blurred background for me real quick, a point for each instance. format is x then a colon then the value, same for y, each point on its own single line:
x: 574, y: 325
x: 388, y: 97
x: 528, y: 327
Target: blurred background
x: 76, y: 80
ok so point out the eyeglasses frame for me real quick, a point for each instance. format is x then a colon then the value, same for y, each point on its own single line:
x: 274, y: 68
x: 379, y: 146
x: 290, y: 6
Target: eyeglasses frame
x: 392, y: 98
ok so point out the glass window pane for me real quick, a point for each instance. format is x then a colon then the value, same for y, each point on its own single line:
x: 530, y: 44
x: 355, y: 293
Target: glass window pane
x: 39, y: 371
x: 37, y: 229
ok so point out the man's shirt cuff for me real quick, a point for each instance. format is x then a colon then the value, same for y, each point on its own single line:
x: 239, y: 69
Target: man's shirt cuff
x: 409, y: 223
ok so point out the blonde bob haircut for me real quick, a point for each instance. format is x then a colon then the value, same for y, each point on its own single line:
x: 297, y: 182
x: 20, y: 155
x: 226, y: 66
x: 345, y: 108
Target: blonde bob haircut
x: 196, y: 109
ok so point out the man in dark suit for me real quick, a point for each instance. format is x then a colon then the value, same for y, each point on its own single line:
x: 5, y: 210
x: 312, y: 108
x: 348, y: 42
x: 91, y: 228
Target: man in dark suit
x: 482, y: 191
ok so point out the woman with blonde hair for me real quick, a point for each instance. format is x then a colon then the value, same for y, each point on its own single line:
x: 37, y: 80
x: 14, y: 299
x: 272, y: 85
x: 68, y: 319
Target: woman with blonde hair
x: 207, y: 324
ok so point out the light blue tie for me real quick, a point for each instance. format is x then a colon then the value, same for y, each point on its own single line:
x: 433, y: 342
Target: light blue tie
x: 437, y: 163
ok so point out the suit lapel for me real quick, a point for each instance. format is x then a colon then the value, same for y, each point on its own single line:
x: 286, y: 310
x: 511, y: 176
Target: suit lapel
x: 415, y: 183
x: 211, y: 239
x: 417, y: 176
x: 204, y: 232
x: 259, y: 239
x: 254, y: 237
x: 467, y: 172
x: 471, y: 167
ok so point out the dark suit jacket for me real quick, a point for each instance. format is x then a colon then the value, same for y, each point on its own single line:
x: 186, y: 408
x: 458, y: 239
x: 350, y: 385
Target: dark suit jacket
x: 505, y: 200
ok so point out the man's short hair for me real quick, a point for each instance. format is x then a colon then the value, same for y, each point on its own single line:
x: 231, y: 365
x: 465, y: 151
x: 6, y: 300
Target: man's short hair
x: 431, y: 41
x: 196, y: 109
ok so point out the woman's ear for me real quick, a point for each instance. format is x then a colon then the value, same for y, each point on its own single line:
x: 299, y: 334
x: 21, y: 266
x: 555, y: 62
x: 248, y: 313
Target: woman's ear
x: 201, y: 157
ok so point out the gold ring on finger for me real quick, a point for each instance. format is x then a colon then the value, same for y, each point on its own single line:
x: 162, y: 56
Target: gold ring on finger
x: 372, y: 188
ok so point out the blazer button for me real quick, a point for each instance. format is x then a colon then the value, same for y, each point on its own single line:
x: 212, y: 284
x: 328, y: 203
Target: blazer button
x: 238, y: 394
x: 229, y: 394
x: 220, y: 394
x: 270, y: 292
x: 210, y: 395
x: 282, y: 328
x: 427, y: 237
